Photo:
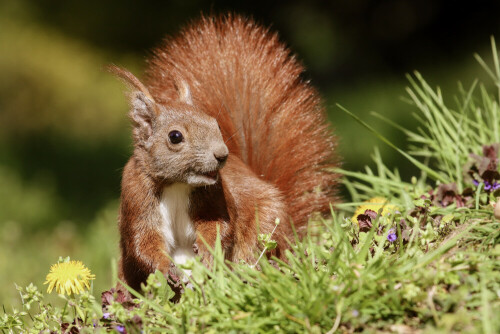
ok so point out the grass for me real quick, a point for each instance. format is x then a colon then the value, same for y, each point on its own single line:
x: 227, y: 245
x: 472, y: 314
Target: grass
x: 430, y: 265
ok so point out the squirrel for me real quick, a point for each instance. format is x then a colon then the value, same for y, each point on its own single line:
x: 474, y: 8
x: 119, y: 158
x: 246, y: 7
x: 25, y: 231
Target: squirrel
x: 228, y: 137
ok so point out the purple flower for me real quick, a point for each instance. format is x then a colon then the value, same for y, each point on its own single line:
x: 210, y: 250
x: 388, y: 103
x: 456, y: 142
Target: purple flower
x: 392, y: 235
x: 488, y: 186
x: 106, y: 315
x: 491, y: 186
x: 120, y: 329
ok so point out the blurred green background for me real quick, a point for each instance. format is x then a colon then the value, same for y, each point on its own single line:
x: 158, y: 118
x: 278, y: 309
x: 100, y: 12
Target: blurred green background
x: 64, y: 134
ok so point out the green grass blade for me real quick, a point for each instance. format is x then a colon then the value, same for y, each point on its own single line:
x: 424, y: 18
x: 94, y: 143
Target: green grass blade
x: 417, y: 163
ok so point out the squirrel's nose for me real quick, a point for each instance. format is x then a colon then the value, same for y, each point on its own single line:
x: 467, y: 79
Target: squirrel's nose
x: 221, y: 158
x: 220, y: 154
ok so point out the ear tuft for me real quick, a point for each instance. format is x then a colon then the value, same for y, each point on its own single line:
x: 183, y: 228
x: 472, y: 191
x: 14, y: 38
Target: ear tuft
x: 184, y: 92
x: 129, y: 79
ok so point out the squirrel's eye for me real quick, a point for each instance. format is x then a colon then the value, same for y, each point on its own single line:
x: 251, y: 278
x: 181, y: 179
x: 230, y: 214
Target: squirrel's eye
x: 175, y: 137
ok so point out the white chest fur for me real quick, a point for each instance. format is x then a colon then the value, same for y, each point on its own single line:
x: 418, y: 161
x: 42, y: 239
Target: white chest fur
x: 177, y: 227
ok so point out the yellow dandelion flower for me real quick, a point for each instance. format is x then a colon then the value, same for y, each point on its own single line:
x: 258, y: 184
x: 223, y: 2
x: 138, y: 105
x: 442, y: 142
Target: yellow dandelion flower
x: 69, y: 277
x: 374, y: 204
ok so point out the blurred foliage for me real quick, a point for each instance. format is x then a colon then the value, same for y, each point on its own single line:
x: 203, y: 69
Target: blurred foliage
x: 62, y: 119
x: 64, y: 134
x: 56, y: 84
x: 34, y: 203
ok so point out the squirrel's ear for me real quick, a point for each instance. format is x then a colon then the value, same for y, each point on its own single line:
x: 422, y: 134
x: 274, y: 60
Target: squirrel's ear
x: 143, y: 107
x: 142, y: 114
x: 184, y: 91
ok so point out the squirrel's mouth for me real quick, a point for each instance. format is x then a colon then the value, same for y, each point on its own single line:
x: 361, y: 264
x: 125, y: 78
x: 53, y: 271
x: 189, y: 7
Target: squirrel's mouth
x: 203, y: 178
x: 211, y: 175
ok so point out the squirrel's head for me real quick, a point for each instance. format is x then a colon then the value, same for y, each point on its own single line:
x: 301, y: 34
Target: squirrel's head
x: 174, y: 141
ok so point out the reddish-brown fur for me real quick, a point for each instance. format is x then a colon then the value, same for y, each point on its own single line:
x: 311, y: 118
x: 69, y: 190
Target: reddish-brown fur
x: 273, y: 124
x: 243, y: 76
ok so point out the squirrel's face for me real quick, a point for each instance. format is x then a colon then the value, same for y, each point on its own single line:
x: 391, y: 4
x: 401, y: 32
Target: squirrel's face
x: 186, y: 146
x: 177, y: 143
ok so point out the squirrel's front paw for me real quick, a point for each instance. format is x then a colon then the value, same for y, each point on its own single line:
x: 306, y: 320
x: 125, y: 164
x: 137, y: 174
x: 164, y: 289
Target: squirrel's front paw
x: 173, y: 275
x: 174, y: 281
x: 203, y: 253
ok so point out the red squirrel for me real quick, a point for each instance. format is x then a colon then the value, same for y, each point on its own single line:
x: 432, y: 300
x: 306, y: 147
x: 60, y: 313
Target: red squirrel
x: 227, y: 137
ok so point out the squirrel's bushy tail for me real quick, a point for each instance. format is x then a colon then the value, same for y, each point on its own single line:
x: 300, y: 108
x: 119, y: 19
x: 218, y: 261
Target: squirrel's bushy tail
x: 240, y: 73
